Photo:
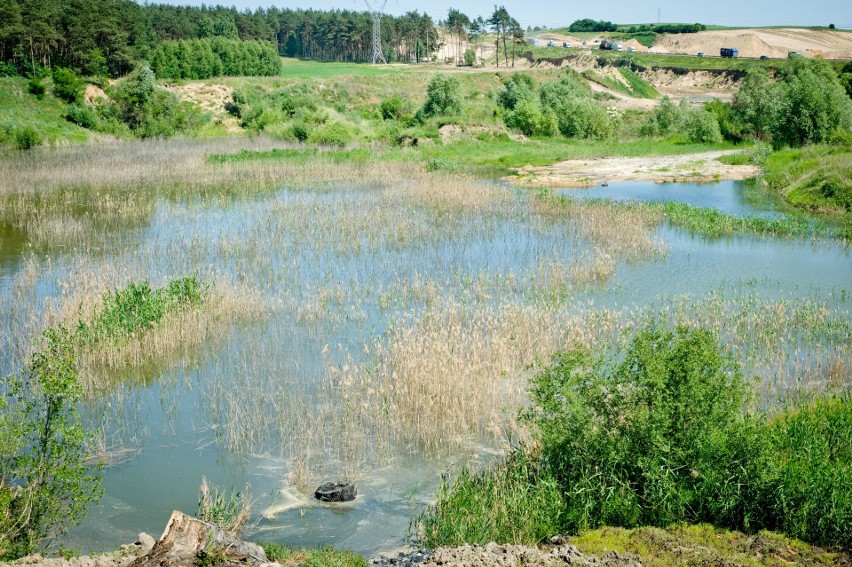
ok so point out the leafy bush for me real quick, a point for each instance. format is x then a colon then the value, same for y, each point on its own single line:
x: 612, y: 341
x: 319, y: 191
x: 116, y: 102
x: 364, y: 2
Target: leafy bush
x: 652, y: 438
x: 519, y: 88
x: 301, y: 132
x: 443, y: 96
x: 27, y: 137
x: 82, y: 115
x: 529, y: 118
x: 556, y: 93
x: 702, y: 127
x: 230, y: 512
x: 331, y: 134
x: 469, y: 57
x: 583, y: 118
x: 67, y: 85
x: 392, y: 108
x: 36, y: 87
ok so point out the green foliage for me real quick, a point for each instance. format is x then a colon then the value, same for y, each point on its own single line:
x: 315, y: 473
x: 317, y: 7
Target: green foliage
x: 757, y: 103
x: 554, y: 94
x: 67, y: 85
x: 652, y: 438
x: 702, y: 126
x: 215, y: 56
x: 640, y: 87
x: 53, y: 484
x: 138, y: 308
x: 588, y: 25
x: 583, y: 118
x: 150, y: 111
x: 331, y: 134
x: 666, y: 119
x: 443, y: 96
x: 82, y: 115
x: 712, y: 223
x: 813, y: 449
x: 519, y: 88
x: 27, y: 138
x: 515, y: 501
x: 729, y: 126
x: 393, y: 107
x: 529, y: 118
x: 469, y: 57
x: 36, y: 87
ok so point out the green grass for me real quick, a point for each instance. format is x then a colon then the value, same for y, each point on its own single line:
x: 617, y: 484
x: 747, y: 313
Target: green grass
x: 636, y: 87
x: 703, y: 545
x: 640, y: 87
x: 499, y: 156
x: 20, y: 109
x: 817, y: 178
x: 297, y: 155
x: 303, y: 69
x: 323, y: 557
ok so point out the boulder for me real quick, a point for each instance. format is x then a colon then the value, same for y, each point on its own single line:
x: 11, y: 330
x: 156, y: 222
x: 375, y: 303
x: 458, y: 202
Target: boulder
x: 336, y: 492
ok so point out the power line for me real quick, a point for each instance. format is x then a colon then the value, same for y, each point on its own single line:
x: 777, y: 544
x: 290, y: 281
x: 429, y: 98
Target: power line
x: 378, y: 54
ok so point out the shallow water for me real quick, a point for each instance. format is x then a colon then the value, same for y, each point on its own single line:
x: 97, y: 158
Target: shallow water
x: 732, y: 197
x: 328, y: 296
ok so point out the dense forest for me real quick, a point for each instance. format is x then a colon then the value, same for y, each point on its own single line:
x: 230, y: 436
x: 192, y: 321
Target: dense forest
x: 106, y: 37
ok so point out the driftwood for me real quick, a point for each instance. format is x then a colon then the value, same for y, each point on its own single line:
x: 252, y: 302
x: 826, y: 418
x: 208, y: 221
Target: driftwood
x: 185, y: 537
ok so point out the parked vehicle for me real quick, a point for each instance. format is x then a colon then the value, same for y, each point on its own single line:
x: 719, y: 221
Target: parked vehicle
x: 764, y: 57
x: 731, y: 52
x: 701, y: 54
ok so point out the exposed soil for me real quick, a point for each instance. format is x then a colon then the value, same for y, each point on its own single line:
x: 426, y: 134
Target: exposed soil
x: 774, y: 43
x: 696, y: 168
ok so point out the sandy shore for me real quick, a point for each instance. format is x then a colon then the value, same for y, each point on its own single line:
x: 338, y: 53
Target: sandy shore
x: 694, y: 168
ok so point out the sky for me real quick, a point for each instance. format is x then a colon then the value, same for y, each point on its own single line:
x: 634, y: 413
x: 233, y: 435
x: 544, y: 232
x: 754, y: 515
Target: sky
x: 555, y: 13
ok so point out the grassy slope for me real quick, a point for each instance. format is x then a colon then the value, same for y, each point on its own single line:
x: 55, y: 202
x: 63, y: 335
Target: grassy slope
x: 815, y: 178
x: 18, y: 108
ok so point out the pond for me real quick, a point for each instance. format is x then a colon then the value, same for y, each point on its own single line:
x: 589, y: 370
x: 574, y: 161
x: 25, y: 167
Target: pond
x: 362, y: 291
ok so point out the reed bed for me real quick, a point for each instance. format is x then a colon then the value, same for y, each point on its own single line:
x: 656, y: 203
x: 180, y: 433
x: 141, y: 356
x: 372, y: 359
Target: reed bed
x: 362, y: 313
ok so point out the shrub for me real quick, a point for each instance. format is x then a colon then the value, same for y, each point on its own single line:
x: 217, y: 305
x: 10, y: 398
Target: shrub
x: 27, y: 137
x: 230, y: 512
x: 519, y: 88
x: 469, y: 57
x: 651, y: 438
x: 392, y: 108
x: 67, y: 85
x: 529, y: 118
x: 331, y: 134
x: 443, y: 96
x: 82, y: 115
x: 300, y: 132
x: 702, y: 127
x: 36, y: 87
x: 583, y: 118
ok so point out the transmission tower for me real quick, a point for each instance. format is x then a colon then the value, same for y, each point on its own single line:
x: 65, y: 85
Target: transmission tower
x: 378, y: 55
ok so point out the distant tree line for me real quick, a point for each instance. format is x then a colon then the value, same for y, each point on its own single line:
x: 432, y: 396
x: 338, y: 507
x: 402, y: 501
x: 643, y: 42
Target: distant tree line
x: 107, y: 37
x: 213, y: 57
x: 588, y: 25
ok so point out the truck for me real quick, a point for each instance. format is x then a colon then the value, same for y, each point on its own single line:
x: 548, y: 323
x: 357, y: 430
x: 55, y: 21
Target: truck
x: 610, y: 45
x: 730, y: 52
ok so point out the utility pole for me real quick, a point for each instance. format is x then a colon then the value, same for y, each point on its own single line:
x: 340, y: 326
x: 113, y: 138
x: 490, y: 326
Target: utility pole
x: 378, y: 55
x: 659, y: 15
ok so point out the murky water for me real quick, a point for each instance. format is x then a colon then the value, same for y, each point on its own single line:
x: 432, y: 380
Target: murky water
x: 331, y: 291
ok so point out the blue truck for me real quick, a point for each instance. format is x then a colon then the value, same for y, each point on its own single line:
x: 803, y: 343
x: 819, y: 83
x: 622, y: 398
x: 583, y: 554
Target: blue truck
x: 730, y: 52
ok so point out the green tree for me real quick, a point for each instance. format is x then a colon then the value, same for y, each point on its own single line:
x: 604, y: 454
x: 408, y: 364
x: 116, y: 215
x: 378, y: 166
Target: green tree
x: 443, y: 96
x: 702, y: 126
x: 757, y: 103
x: 55, y: 485
x: 67, y: 85
x: 813, y: 104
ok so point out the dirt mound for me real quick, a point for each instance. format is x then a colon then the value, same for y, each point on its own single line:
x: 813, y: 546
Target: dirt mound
x: 209, y: 97
x: 775, y: 43
x: 634, y: 44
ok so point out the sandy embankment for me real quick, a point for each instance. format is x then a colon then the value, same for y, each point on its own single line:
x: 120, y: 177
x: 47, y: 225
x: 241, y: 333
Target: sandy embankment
x: 695, y: 168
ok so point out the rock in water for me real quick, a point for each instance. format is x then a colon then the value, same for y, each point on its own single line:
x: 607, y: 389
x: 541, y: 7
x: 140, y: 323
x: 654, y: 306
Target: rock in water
x: 336, y: 492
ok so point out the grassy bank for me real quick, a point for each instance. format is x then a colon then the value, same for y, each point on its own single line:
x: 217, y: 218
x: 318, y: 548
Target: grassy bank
x: 816, y: 178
